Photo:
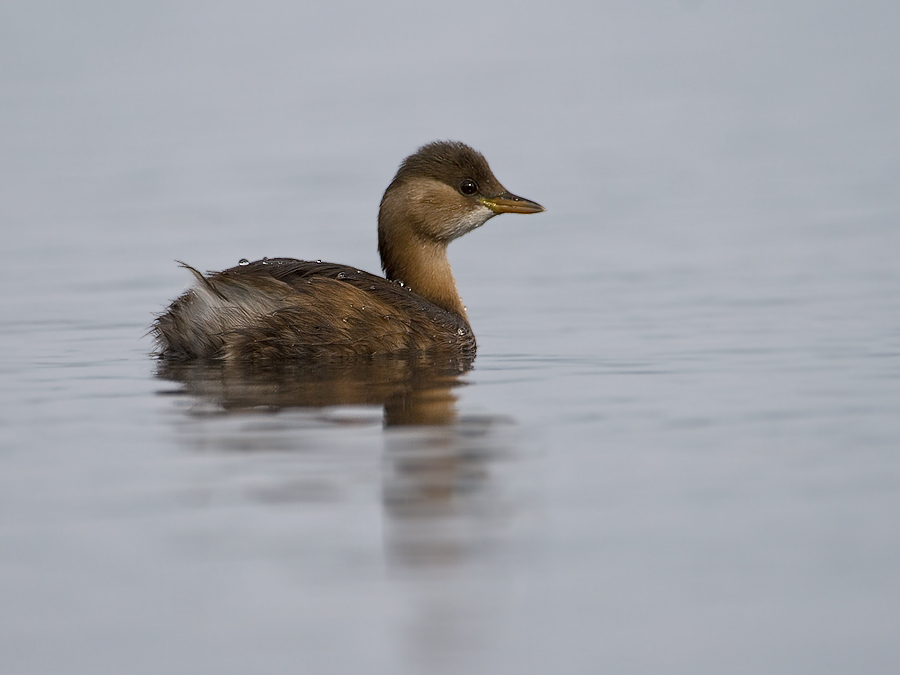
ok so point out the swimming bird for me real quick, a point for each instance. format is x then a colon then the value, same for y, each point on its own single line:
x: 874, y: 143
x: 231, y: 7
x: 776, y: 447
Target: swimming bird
x: 279, y: 309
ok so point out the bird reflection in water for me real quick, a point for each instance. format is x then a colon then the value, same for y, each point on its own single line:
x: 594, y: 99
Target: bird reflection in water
x: 436, y: 488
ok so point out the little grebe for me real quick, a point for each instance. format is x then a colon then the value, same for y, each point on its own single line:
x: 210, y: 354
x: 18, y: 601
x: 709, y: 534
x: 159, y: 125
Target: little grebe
x: 279, y: 308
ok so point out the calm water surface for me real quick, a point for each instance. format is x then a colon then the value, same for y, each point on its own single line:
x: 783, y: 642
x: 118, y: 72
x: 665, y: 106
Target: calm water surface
x: 678, y: 449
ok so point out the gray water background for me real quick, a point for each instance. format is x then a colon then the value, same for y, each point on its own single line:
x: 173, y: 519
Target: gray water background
x: 679, y: 449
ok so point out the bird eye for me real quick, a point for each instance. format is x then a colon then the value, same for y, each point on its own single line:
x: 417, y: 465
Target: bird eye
x: 468, y: 187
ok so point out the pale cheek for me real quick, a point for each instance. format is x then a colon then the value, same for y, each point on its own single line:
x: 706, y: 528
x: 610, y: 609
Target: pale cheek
x: 457, y: 227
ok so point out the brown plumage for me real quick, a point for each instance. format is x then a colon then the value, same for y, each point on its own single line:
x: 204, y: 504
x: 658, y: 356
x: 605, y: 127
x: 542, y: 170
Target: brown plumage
x: 277, y: 309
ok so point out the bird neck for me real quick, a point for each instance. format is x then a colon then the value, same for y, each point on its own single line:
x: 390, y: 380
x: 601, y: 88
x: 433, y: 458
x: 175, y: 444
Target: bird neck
x: 421, y: 264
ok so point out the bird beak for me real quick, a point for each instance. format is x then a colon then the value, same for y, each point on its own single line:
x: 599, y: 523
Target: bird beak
x: 510, y: 203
